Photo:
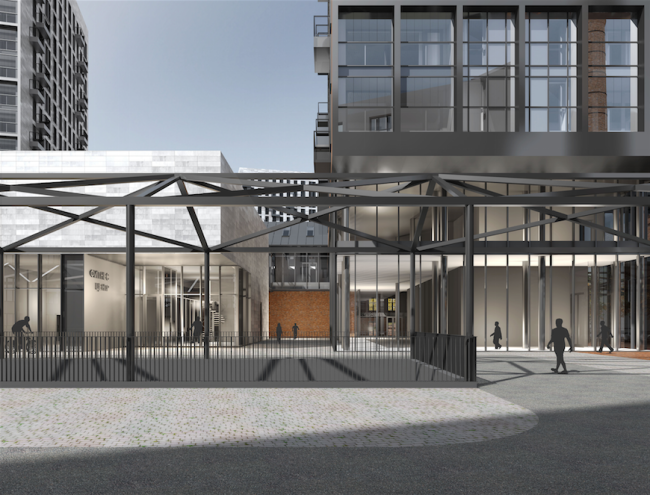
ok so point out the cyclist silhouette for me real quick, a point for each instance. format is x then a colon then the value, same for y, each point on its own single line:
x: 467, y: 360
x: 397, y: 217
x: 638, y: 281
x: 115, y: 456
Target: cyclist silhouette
x: 17, y: 330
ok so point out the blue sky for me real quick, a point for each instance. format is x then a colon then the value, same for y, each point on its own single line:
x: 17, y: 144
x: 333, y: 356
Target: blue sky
x: 235, y: 76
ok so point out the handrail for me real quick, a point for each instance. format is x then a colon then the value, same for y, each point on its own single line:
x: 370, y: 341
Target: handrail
x: 321, y: 29
x: 323, y: 108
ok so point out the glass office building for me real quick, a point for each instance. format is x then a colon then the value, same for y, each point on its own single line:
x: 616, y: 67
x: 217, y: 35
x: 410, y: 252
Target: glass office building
x: 512, y: 100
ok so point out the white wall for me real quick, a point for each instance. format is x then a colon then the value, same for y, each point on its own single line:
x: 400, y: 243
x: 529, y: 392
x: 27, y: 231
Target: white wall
x: 104, y: 310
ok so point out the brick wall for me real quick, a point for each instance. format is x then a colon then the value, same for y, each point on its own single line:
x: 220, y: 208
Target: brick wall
x: 309, y: 309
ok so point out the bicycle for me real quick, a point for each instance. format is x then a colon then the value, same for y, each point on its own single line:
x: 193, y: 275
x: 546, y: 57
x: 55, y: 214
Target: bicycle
x: 28, y: 344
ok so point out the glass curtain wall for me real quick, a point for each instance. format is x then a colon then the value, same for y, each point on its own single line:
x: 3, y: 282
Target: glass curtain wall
x: 613, y: 71
x: 551, y: 71
x: 489, y: 42
x: 427, y: 72
x: 365, y: 69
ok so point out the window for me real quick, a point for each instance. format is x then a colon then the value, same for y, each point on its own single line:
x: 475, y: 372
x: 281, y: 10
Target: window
x: 427, y: 60
x: 8, y: 94
x: 8, y: 39
x: 365, y: 69
x: 613, y: 71
x: 551, y: 72
x: 286, y: 232
x: 489, y: 42
x: 310, y: 232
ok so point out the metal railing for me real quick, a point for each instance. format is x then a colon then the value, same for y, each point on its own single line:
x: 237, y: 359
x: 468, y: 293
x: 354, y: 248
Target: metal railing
x: 321, y: 25
x: 228, y: 357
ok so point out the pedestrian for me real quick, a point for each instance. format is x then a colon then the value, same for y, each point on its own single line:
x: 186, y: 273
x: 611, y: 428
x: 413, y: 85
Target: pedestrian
x: 605, y: 336
x: 497, y: 335
x: 278, y: 332
x: 558, y: 335
x: 197, y: 328
x: 295, y: 331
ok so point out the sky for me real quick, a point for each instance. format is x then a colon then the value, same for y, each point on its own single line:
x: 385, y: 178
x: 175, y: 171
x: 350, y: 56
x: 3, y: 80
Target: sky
x: 234, y: 76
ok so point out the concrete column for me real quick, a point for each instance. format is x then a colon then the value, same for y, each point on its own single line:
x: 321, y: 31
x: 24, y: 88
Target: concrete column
x: 468, y: 273
x: 206, y: 305
x: 525, y: 327
x: 541, y: 311
x: 345, y: 289
x: 130, y: 293
x: 443, y: 295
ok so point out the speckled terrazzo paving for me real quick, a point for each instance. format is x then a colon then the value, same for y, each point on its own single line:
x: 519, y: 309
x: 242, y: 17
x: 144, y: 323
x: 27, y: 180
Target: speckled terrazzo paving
x: 255, y: 417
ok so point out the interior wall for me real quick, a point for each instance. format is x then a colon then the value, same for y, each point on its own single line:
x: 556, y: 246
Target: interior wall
x: 104, y: 299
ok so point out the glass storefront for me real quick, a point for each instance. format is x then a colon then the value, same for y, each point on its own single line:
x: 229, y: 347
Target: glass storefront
x: 86, y: 294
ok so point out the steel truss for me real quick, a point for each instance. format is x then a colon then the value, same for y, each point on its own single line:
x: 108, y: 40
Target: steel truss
x: 337, y: 192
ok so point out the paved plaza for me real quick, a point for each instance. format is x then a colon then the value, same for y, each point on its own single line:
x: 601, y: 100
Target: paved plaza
x: 255, y: 417
x: 525, y: 430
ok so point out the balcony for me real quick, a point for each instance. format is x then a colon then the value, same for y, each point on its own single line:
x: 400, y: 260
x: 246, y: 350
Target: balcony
x: 80, y: 115
x: 36, y: 141
x: 322, y: 153
x: 82, y: 66
x: 80, y: 77
x: 42, y: 74
x: 321, y: 44
x: 82, y: 102
x: 35, y: 40
x: 37, y: 91
x: 43, y: 124
x: 83, y: 140
x: 79, y: 38
x: 42, y: 23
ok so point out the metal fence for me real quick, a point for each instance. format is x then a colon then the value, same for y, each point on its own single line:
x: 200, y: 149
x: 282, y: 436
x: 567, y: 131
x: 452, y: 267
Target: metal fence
x: 233, y: 358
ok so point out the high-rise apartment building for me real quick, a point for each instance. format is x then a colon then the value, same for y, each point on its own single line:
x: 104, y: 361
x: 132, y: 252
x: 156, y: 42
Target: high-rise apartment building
x: 43, y: 75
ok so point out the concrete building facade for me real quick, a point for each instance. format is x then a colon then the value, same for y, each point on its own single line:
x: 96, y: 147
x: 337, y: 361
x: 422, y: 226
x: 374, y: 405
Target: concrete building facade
x: 43, y: 75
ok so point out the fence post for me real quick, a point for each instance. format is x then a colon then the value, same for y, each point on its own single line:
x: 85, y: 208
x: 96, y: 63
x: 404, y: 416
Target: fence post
x: 130, y: 292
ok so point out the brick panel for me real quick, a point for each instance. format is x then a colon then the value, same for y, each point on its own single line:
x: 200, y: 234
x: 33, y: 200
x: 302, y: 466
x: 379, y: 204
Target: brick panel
x: 309, y: 309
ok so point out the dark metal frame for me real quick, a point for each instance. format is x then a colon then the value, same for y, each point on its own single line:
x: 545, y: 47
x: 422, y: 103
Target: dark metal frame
x: 338, y: 192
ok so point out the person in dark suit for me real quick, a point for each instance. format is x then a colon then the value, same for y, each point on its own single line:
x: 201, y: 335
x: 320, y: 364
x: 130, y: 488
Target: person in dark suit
x: 197, y: 328
x: 558, y: 335
x: 605, y: 337
x: 278, y: 332
x: 497, y: 335
x: 295, y: 331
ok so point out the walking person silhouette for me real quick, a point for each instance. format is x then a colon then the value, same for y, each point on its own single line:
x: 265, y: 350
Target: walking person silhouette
x: 497, y: 335
x: 197, y: 327
x: 558, y: 334
x: 605, y: 337
x: 295, y: 331
x: 278, y: 332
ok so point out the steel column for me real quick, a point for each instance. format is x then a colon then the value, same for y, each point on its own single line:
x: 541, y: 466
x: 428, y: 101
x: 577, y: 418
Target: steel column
x: 443, y: 294
x: 525, y: 285
x: 595, y: 300
x: 637, y: 296
x: 468, y: 272
x: 130, y: 293
x: 206, y: 305
x: 616, y: 320
x: 412, y: 295
x: 345, y: 289
x: 39, y: 301
x: 541, y: 310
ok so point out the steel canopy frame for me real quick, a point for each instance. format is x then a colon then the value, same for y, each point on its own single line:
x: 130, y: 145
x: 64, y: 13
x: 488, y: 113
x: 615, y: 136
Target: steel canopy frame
x: 336, y: 192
